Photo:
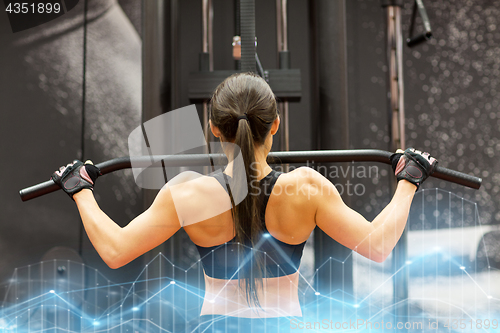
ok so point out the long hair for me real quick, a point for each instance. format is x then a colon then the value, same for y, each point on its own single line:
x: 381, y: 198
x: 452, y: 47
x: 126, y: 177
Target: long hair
x: 246, y: 94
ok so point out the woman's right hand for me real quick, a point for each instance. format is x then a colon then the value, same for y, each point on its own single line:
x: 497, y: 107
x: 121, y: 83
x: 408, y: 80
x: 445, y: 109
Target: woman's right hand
x: 413, y: 165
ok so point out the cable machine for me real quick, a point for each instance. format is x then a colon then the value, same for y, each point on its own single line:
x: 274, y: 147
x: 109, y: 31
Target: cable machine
x: 285, y: 82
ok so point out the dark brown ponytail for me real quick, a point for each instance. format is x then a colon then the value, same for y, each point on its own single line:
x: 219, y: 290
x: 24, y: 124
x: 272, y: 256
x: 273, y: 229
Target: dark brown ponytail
x: 243, y: 107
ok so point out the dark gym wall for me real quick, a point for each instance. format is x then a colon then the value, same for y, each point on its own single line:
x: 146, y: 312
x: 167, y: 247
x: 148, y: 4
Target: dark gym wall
x: 41, y: 75
x: 451, y: 94
x: 453, y: 101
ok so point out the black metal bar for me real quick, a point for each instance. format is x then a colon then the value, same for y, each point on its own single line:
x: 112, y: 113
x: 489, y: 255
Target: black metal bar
x: 319, y: 156
x: 284, y: 59
x: 333, y: 132
x: 204, y: 62
x: 387, y: 3
x: 413, y: 18
x: 395, y: 89
x: 415, y: 40
x: 237, y: 29
x: 260, y: 69
x: 247, y: 28
x: 285, y: 83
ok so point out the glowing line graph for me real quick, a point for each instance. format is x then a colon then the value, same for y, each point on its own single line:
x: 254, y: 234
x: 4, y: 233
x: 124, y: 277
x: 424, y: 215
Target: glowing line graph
x: 151, y: 303
x: 28, y: 305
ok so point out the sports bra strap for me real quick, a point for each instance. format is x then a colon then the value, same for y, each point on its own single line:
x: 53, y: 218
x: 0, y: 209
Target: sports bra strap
x: 266, y: 186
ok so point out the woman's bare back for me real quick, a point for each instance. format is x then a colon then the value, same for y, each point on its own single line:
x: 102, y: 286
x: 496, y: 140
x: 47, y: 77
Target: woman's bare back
x: 289, y: 218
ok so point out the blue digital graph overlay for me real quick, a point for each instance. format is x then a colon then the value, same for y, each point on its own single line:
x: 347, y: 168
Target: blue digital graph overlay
x: 452, y: 270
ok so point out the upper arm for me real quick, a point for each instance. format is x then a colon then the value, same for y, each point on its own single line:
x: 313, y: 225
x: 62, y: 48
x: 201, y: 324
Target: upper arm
x: 339, y: 221
x: 150, y: 229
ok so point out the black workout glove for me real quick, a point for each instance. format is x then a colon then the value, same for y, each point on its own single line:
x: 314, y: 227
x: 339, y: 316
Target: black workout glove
x: 76, y: 176
x: 413, y: 165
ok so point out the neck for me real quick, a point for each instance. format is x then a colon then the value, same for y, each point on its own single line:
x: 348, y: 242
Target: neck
x: 261, y: 167
x: 261, y: 163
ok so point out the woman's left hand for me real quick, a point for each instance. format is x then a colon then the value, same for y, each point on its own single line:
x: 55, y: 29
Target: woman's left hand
x: 76, y: 176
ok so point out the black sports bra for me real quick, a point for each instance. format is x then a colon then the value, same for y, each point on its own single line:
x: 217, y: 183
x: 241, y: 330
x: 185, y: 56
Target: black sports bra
x: 222, y: 261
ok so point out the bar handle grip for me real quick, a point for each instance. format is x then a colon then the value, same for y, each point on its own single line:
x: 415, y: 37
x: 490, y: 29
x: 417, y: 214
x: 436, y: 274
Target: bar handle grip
x: 49, y: 186
x: 419, y: 39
